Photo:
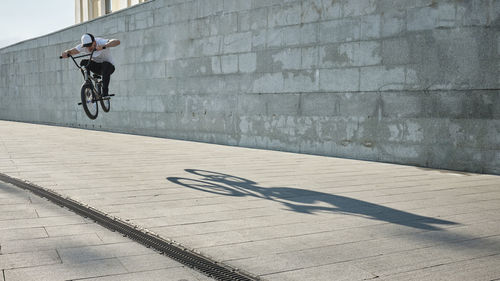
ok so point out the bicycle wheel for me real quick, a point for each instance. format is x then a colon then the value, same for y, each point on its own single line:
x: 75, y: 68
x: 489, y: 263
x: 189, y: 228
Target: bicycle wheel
x: 89, y: 104
x: 105, y: 103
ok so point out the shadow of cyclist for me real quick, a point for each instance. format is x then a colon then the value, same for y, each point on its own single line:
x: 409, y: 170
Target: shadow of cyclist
x: 303, y: 200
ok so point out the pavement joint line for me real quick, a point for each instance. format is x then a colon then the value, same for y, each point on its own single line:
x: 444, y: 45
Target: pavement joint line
x: 167, y: 247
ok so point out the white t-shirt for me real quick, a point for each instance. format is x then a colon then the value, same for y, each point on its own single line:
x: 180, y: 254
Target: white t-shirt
x: 99, y: 56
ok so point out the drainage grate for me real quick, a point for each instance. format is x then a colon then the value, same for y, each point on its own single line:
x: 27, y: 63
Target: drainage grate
x: 187, y: 257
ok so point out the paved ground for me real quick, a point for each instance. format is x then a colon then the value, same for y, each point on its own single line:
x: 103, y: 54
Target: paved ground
x: 278, y: 215
x: 41, y: 241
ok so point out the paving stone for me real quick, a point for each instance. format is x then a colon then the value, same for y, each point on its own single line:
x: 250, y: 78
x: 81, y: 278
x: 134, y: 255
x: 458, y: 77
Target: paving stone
x: 29, y: 259
x: 63, y: 272
x: 154, y: 275
x: 22, y: 233
x: 101, y: 251
x: 339, y: 271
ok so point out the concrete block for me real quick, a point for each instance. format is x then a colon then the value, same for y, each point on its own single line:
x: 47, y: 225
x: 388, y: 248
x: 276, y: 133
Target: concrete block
x: 446, y: 15
x: 311, y: 10
x: 370, y: 27
x: 354, y: 8
x: 350, y: 54
x: 422, y: 19
x: 300, y: 34
x: 189, y: 67
x: 150, y: 53
x: 393, y: 23
x: 226, y: 24
x: 336, y: 55
x: 214, y: 85
x: 183, y: 11
x: 211, y: 45
x: 229, y: 64
x: 331, y: 9
x: 209, y: 7
x: 237, y: 43
x: 160, y: 18
x: 405, y: 105
x: 252, y: 20
x: 494, y: 13
x: 301, y: 81
x: 109, y: 27
x: 259, y: 39
x: 280, y: 104
x: 322, y: 105
x: 339, y: 80
x: 274, y: 37
x: 140, y: 21
x: 395, y: 51
x: 392, y: 6
x: 380, y: 78
x: 292, y: 36
x: 284, y: 15
x: 268, y: 83
x: 216, y: 65
x: 498, y: 44
x: 360, y: 106
x: 310, y: 57
x: 266, y: 63
x: 288, y: 58
x: 236, y: 5
x: 343, y: 30
x: 247, y: 62
x: 245, y: 81
x: 230, y: 84
x: 367, y: 53
x: 265, y: 3
x: 472, y: 13
x: 252, y: 104
x: 199, y: 28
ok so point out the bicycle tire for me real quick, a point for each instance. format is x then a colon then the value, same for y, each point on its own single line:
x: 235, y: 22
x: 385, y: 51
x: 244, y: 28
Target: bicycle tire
x: 105, y: 104
x: 88, y: 102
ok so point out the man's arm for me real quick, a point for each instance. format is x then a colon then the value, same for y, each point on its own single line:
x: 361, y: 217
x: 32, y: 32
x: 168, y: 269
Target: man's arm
x: 72, y: 52
x: 111, y: 43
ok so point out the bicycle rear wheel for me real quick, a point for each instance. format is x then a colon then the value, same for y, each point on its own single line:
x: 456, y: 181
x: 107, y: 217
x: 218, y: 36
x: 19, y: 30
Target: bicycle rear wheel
x: 88, y: 102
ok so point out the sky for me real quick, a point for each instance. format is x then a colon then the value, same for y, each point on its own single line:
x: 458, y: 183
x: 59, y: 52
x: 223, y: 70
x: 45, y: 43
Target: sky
x: 25, y: 19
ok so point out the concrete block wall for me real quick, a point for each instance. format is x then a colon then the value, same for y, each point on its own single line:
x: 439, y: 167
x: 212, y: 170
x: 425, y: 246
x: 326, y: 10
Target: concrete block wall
x: 412, y: 82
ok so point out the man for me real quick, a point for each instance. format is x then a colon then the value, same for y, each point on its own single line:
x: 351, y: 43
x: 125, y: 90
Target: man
x: 102, y: 62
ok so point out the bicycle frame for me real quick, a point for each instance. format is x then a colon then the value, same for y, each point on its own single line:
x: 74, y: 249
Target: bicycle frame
x: 86, y: 73
x: 84, y: 69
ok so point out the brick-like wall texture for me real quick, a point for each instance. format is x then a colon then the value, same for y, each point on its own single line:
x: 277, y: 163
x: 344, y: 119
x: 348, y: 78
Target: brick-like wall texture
x: 413, y: 82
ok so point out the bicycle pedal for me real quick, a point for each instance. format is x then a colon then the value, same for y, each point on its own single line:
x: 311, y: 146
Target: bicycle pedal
x: 112, y: 95
x: 79, y: 103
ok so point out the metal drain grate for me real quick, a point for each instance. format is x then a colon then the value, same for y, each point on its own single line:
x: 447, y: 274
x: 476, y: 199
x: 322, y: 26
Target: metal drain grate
x: 187, y: 257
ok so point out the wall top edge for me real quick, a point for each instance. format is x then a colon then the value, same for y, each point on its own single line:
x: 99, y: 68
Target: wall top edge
x: 77, y: 25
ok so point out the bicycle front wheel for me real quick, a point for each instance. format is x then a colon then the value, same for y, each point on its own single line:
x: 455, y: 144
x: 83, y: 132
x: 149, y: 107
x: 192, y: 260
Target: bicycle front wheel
x: 105, y: 104
x: 88, y: 102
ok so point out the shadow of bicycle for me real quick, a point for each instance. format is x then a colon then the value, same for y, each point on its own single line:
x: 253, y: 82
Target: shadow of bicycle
x: 303, y: 200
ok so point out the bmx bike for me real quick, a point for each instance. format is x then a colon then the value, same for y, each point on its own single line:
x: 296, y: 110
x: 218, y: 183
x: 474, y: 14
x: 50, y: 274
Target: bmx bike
x: 91, y: 90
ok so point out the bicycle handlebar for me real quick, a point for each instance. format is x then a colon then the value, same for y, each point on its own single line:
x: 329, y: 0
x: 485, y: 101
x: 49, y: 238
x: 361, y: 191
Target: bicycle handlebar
x: 86, y: 55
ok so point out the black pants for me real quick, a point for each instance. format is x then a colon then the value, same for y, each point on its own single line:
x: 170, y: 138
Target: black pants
x: 102, y: 68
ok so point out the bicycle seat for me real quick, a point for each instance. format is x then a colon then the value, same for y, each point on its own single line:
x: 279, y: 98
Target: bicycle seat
x: 96, y: 76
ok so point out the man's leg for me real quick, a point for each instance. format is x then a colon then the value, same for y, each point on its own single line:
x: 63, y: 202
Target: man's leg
x: 106, y: 70
x: 93, y: 66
